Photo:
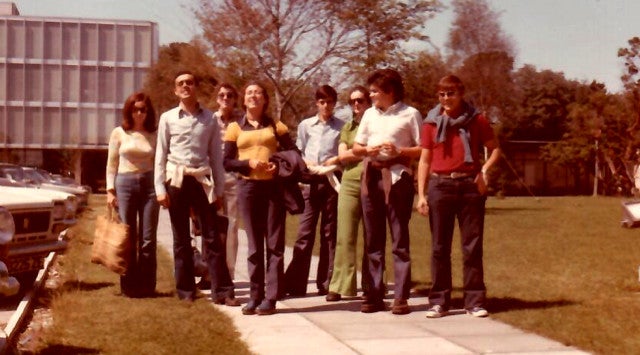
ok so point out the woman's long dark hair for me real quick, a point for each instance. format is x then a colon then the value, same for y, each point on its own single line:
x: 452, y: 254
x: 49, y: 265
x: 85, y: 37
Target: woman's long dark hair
x: 127, y: 112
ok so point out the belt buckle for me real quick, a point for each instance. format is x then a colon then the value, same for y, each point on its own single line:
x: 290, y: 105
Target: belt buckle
x: 457, y: 175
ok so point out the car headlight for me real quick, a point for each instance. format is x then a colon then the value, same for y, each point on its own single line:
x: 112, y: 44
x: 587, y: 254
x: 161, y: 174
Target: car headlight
x: 7, y: 227
x: 71, y: 205
x: 59, y: 208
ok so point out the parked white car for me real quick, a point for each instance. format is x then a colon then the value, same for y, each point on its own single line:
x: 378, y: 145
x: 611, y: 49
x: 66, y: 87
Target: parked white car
x: 65, y: 204
x: 36, y: 217
x: 9, y: 285
x: 39, y: 178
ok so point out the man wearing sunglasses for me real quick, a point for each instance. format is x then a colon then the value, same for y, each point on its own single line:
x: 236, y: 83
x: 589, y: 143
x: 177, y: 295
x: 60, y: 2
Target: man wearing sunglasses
x: 452, y: 182
x: 227, y: 99
x: 189, y: 175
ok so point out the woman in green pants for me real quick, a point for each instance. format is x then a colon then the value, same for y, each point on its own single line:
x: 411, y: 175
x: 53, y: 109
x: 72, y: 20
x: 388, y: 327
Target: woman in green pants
x: 343, y: 280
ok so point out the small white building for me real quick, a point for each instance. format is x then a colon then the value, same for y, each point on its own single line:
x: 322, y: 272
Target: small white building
x: 63, y: 82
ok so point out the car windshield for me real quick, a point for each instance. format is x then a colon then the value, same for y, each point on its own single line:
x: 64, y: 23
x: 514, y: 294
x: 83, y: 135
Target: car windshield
x: 12, y: 172
x: 63, y: 180
x: 44, y: 175
x: 33, y: 176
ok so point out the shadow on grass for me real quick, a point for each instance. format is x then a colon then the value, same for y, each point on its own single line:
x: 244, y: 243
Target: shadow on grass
x: 505, y: 210
x: 505, y: 304
x: 67, y: 349
x: 84, y: 286
x: 160, y: 295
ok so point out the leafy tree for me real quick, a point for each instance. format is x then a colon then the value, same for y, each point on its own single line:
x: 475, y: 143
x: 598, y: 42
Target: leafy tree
x: 380, y: 28
x: 421, y: 76
x: 538, y: 113
x: 172, y: 58
x: 544, y: 97
x: 595, y: 121
x: 631, y: 81
x: 631, y: 58
x: 282, y: 42
x: 295, y: 44
x: 476, y: 29
x: 489, y: 83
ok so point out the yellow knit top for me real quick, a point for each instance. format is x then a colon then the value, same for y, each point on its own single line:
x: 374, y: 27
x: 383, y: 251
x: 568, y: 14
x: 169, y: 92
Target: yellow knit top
x: 260, y: 143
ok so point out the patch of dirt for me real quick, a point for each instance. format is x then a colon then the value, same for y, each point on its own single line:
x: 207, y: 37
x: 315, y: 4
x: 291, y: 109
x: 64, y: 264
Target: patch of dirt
x: 30, y: 339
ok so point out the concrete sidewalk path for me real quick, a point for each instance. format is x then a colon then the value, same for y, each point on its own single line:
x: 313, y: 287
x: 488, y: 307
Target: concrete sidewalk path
x: 310, y: 325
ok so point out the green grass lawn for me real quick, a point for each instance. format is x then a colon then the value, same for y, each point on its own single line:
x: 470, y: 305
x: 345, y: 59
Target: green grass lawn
x: 90, y: 317
x: 564, y: 268
x: 561, y: 267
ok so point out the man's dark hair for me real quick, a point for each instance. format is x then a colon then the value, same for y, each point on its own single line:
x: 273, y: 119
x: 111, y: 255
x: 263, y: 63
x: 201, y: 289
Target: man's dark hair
x: 451, y: 82
x: 389, y: 81
x: 364, y: 92
x: 196, y: 80
x: 228, y: 87
x: 326, y: 92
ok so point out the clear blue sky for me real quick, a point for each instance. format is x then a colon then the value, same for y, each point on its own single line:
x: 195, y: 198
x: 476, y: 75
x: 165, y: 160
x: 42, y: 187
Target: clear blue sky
x: 578, y: 37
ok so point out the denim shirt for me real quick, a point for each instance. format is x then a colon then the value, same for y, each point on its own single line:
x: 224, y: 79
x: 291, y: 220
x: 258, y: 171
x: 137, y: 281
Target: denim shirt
x: 318, y: 140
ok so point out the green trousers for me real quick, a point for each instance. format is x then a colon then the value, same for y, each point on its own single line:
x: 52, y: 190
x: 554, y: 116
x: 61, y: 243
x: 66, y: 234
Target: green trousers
x: 343, y: 280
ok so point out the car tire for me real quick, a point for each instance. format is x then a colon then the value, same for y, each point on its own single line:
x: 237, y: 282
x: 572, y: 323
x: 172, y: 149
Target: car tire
x: 26, y: 280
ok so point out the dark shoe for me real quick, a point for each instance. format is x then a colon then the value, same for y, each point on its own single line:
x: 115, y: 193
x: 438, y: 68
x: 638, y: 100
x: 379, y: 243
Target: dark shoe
x: 267, y: 307
x: 333, y: 297
x: 250, y: 308
x: 297, y: 294
x: 204, y: 284
x: 322, y: 291
x: 400, y: 306
x: 436, y: 311
x: 369, y: 306
x: 130, y: 294
x: 228, y: 301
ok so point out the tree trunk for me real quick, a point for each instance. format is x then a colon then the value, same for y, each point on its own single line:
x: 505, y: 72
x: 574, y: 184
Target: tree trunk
x: 596, y: 172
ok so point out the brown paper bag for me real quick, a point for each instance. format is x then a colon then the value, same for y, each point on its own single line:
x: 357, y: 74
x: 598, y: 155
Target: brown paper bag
x: 111, y: 244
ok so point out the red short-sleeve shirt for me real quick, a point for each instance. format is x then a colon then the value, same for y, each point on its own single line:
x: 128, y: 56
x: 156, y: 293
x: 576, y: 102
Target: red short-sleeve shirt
x: 448, y: 156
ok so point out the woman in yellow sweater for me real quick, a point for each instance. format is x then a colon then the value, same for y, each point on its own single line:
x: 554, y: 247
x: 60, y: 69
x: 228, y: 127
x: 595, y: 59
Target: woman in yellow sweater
x: 249, y: 143
x: 130, y: 188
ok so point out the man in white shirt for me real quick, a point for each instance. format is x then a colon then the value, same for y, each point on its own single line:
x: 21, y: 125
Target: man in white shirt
x: 189, y: 175
x: 388, y: 137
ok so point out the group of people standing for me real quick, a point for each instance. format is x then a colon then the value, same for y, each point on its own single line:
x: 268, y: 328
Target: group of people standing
x: 356, y: 173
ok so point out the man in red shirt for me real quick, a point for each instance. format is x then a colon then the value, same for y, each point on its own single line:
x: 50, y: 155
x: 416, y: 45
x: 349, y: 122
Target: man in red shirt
x: 454, y: 179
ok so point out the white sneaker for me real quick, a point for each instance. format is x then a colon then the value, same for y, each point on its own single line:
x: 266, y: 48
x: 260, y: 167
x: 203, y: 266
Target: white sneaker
x: 478, y: 312
x: 436, y: 311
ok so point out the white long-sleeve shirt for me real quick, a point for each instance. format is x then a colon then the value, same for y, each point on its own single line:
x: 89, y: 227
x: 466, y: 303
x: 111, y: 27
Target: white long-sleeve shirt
x: 129, y: 152
x: 188, y: 141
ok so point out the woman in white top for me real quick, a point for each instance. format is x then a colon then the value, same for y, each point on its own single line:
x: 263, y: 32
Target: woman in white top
x: 130, y: 188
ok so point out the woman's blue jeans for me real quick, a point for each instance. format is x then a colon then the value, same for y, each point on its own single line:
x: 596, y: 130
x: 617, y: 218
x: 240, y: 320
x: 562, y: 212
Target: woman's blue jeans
x: 139, y: 209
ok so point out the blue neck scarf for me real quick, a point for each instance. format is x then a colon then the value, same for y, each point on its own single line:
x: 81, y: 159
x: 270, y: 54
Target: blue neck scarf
x: 443, y: 122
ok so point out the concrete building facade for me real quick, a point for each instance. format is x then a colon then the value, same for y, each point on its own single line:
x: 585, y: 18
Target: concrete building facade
x: 63, y: 82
